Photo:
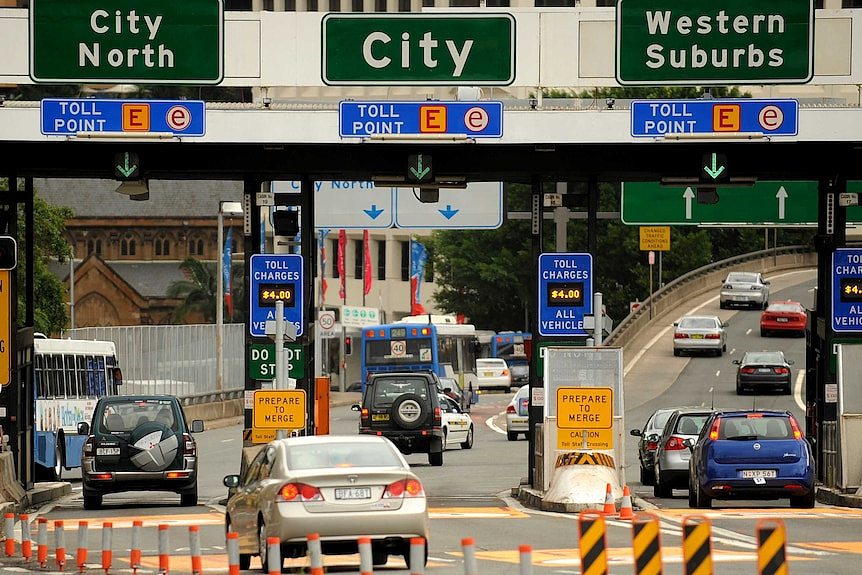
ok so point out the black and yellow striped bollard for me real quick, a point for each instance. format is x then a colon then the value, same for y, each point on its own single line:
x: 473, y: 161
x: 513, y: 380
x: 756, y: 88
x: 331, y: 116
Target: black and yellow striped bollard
x: 771, y: 547
x: 592, y: 542
x: 646, y: 544
x: 696, y: 545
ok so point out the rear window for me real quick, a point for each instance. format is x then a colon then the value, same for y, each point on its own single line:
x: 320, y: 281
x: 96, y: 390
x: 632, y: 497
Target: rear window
x: 697, y: 323
x: 690, y: 424
x: 339, y: 455
x: 742, y: 278
x: 759, y: 428
x: 490, y: 363
x: 388, y: 389
x: 786, y: 307
x: 660, y: 420
x: 123, y: 417
x: 764, y: 357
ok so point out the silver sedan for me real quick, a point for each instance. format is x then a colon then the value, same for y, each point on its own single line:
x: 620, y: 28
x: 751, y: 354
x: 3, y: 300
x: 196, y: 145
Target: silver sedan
x: 744, y: 288
x: 700, y: 333
x: 340, y: 487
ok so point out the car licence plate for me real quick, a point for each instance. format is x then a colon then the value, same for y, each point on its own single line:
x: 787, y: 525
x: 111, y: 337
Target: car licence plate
x: 353, y: 493
x: 755, y: 473
x: 697, y: 336
x: 782, y: 319
x: 380, y: 417
x: 764, y: 370
x: 107, y: 451
x: 487, y: 374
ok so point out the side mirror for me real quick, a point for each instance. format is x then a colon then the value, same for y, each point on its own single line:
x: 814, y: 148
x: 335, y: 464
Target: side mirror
x: 725, y: 324
x: 812, y: 441
x: 197, y: 426
x: 675, y: 324
x: 355, y: 407
x: 766, y: 282
x: 689, y: 442
x: 83, y: 428
x: 790, y: 362
x: 736, y: 362
x: 447, y: 390
x: 636, y: 432
x: 231, y: 481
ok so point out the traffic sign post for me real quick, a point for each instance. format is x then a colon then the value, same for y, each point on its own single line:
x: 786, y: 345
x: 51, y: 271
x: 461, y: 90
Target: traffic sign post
x: 418, y: 49
x: 5, y: 327
x: 127, y: 41
x: 565, y: 293
x: 659, y: 118
x: 473, y: 119
x: 71, y: 116
x: 261, y: 361
x: 664, y: 42
x: 275, y: 277
x: 847, y: 290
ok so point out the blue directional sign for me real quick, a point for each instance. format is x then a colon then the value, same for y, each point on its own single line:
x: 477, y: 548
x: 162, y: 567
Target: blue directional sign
x: 847, y: 290
x: 473, y: 119
x: 64, y: 117
x: 565, y: 293
x: 275, y: 277
x: 657, y: 118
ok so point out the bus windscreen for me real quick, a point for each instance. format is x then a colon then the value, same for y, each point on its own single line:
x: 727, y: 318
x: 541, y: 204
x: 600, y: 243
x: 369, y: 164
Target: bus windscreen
x: 398, y: 351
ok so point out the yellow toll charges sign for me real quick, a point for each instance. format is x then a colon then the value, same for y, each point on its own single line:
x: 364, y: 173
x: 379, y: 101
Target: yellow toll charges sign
x: 279, y: 409
x: 585, y: 407
x: 5, y: 328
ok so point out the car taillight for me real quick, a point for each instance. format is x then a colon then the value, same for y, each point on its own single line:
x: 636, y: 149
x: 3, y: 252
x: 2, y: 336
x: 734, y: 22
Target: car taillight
x: 89, y: 445
x: 754, y: 288
x: 404, y: 488
x: 189, y: 447
x: 713, y: 431
x: 747, y: 370
x: 680, y: 336
x: 797, y: 432
x: 505, y: 372
x: 510, y: 409
x: 363, y: 416
x: 727, y: 286
x: 674, y: 443
x: 782, y: 370
x: 713, y: 336
x: 438, y: 417
x: 652, y: 445
x: 300, y: 492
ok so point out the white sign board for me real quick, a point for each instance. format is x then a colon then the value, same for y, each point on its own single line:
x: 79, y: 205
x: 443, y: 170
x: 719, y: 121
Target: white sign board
x: 347, y: 204
x: 479, y: 206
x: 357, y: 316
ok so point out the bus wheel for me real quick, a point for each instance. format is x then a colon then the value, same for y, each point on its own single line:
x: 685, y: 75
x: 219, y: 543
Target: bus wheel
x: 57, y: 472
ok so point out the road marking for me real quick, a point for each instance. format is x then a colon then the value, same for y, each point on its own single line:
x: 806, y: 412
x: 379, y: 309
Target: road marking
x: 840, y: 546
x: 490, y: 423
x: 754, y: 512
x: 797, y: 389
x: 227, y: 440
x: 748, y: 331
x: 717, y: 373
x: 475, y: 513
x: 732, y: 350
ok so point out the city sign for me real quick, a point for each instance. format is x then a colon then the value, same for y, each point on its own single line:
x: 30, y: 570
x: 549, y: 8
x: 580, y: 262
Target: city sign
x: 654, y: 238
x: 261, y: 364
x: 664, y: 42
x: 657, y: 118
x: 279, y: 409
x: 275, y: 277
x: 565, y: 293
x: 5, y: 328
x: 474, y: 119
x: 787, y: 203
x: 479, y: 206
x: 347, y: 204
x: 418, y: 49
x: 847, y: 290
x: 127, y: 41
x: 70, y: 116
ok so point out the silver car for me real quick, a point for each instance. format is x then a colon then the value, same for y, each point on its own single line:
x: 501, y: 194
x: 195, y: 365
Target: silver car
x: 700, y: 333
x: 672, y: 455
x: 744, y: 289
x: 518, y: 414
x: 340, y: 487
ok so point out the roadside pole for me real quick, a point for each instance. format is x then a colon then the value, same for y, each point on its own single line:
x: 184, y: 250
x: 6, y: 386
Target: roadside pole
x: 279, y: 382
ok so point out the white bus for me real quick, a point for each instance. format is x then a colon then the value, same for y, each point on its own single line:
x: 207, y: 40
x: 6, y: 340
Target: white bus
x: 69, y: 377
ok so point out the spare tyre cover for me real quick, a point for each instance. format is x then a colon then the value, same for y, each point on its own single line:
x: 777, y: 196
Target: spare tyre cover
x: 153, y: 446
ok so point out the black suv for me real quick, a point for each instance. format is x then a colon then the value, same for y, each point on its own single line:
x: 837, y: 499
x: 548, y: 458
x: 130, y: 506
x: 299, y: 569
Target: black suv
x: 139, y: 443
x: 404, y: 408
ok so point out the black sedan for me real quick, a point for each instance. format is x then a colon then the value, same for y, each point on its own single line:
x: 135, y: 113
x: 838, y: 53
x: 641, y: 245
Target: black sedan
x: 648, y: 442
x: 759, y: 370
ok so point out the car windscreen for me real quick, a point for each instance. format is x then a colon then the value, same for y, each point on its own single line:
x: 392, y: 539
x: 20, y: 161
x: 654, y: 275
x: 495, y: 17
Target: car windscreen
x: 388, y: 389
x: 340, y: 455
x: 751, y: 428
x: 690, y: 424
x: 520, y: 369
x: 498, y: 363
x: 697, y: 323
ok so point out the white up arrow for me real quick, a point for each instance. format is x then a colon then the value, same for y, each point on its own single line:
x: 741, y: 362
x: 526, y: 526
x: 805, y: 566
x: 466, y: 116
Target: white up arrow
x: 688, y: 194
x: 781, y: 195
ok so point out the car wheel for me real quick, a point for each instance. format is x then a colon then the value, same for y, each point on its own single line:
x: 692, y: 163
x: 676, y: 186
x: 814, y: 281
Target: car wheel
x: 435, y: 458
x: 468, y: 443
x: 804, y: 501
x: 379, y: 556
x: 512, y: 436
x: 92, y: 501
x: 763, y: 333
x: 702, y: 500
x: 677, y: 353
x: 189, y: 499
x: 692, y: 495
x: 262, y: 549
x: 406, y: 553
x: 445, y: 438
x: 661, y: 488
x: 722, y: 305
x: 647, y: 477
x: 244, y: 561
x: 787, y: 390
x: 57, y: 471
x: 719, y: 352
x: 738, y: 389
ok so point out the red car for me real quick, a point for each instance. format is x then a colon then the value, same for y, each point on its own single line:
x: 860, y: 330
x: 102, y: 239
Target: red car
x: 784, y: 317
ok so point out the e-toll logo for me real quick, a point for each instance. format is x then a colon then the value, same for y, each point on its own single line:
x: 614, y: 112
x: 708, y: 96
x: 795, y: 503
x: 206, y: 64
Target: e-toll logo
x: 659, y: 118
x: 63, y: 117
x: 472, y: 119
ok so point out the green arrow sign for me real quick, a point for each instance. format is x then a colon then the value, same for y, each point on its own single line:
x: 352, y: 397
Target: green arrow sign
x: 715, y: 167
x: 126, y: 166
x: 419, y: 168
x: 765, y: 203
x: 261, y: 361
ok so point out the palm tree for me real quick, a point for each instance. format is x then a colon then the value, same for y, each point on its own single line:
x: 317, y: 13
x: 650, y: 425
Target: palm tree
x: 198, y: 290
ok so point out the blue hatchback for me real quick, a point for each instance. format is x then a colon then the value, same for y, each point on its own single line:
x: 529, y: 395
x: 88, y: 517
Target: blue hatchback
x: 749, y: 454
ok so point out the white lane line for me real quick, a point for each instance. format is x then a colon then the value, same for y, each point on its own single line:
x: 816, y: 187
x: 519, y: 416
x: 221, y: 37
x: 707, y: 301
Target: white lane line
x: 748, y: 331
x: 490, y: 423
x: 227, y: 440
x: 732, y: 351
x: 797, y: 389
x: 717, y: 373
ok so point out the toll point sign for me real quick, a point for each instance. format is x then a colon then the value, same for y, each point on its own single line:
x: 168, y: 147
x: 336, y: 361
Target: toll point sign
x: 279, y: 409
x: 474, y: 119
x: 70, y: 116
x: 660, y: 118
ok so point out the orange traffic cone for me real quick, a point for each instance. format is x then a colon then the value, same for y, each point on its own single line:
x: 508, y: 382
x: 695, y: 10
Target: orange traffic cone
x: 609, y: 508
x: 626, y: 511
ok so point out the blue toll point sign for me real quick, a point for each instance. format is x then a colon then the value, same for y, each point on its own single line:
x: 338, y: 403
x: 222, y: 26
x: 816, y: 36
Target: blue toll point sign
x: 565, y: 293
x: 657, y: 118
x: 473, y: 119
x: 847, y: 290
x: 67, y: 117
x: 275, y: 277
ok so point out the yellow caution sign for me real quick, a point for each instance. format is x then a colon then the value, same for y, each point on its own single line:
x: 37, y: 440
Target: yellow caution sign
x: 278, y: 409
x: 592, y: 543
x: 585, y: 407
x: 655, y: 238
x: 646, y: 545
x: 771, y: 547
x: 584, y: 458
x: 5, y: 328
x: 574, y: 439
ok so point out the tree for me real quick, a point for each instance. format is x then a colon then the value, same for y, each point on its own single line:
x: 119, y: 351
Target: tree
x: 198, y: 291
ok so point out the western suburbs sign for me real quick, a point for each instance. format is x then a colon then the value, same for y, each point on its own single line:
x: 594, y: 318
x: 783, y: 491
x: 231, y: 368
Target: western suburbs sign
x: 661, y: 42
x: 418, y: 49
x: 113, y: 41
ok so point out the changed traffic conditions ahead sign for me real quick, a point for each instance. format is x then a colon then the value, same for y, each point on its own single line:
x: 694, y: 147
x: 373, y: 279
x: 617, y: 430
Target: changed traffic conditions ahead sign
x: 847, y: 290
x: 473, y: 119
x: 704, y: 43
x: 64, y: 117
x: 657, y: 118
x: 565, y: 293
x: 275, y: 277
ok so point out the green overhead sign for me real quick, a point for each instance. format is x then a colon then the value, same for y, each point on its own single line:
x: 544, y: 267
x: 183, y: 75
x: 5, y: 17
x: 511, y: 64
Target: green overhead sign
x: 764, y: 203
x: 418, y: 49
x: 700, y: 42
x: 117, y: 41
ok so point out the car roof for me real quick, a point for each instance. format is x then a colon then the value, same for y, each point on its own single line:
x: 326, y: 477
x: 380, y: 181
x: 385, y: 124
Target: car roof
x: 127, y: 398
x: 318, y: 439
x: 692, y: 410
x: 732, y: 412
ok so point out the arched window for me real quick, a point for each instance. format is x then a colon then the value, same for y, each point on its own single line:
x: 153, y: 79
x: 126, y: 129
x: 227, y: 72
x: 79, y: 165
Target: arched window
x: 91, y: 246
x: 157, y: 246
x: 98, y: 247
x: 124, y: 247
x: 128, y: 246
x: 162, y: 246
x: 200, y: 247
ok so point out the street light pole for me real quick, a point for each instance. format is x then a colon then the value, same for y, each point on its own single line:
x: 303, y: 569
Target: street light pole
x: 231, y: 209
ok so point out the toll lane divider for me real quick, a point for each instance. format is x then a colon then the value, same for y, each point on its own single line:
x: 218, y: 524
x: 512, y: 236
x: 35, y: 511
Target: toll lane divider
x: 592, y: 542
x: 771, y: 547
x: 697, y: 545
x: 646, y: 544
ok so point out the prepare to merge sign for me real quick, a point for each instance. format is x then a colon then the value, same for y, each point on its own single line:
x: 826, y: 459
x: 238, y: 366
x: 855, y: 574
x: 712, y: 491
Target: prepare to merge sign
x: 585, y: 408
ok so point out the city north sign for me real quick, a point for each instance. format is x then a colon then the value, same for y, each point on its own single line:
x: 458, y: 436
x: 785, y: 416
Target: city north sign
x: 661, y: 42
x: 115, y: 41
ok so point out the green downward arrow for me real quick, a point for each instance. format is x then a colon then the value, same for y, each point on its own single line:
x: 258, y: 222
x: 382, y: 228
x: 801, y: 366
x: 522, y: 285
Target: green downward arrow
x: 715, y: 171
x: 418, y: 172
x: 126, y: 169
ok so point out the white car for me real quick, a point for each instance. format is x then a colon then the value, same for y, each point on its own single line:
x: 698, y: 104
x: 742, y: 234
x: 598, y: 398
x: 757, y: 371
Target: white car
x: 457, y: 425
x: 699, y: 333
x: 518, y: 415
x: 744, y: 288
x: 493, y: 373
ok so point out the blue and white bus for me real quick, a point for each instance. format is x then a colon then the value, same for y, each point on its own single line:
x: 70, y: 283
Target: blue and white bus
x: 513, y: 346
x: 421, y: 343
x: 69, y: 377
